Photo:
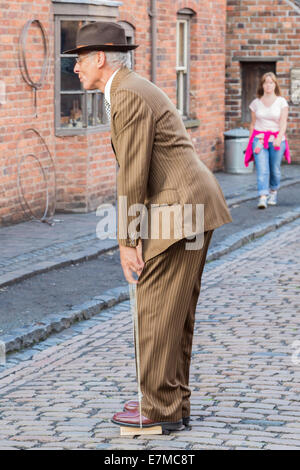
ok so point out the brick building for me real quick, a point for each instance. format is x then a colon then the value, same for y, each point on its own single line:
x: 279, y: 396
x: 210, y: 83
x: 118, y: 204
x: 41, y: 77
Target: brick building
x: 263, y: 35
x: 65, y: 160
x: 182, y: 49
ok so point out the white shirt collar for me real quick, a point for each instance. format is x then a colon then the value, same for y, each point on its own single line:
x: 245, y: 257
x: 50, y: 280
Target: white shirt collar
x: 108, y: 86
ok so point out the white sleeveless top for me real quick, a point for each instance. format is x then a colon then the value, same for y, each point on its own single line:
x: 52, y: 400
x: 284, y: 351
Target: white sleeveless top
x: 268, y: 117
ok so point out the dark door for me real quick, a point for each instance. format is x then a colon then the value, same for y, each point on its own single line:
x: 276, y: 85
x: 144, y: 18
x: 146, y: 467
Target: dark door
x: 251, y: 75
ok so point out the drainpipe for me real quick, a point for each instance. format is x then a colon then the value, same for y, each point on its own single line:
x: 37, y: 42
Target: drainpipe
x: 153, y: 16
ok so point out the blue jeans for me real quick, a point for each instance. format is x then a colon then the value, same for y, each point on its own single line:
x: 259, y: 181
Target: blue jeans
x: 267, y: 163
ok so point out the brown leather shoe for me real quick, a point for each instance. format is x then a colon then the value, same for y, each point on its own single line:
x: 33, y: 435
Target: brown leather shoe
x: 133, y: 405
x: 132, y: 419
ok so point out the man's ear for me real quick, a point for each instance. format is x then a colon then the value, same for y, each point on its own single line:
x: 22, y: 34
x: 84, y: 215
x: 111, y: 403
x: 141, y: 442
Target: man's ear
x: 101, y: 59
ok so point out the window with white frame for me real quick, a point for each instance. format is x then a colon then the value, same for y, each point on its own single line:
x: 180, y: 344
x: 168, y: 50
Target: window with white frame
x: 183, y: 56
x: 182, y: 63
x: 129, y: 33
x: 77, y: 109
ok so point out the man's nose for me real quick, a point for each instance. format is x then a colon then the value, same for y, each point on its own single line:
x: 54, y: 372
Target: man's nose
x: 76, y: 68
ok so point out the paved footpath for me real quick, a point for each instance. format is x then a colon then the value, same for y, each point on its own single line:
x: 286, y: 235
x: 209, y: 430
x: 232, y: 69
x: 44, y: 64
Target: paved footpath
x: 34, y: 247
x: 244, y: 376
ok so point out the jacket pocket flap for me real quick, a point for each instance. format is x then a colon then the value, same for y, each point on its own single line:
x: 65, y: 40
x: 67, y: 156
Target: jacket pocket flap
x: 165, y: 197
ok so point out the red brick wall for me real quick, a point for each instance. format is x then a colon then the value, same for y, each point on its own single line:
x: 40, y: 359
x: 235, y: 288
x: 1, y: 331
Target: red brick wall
x: 264, y: 28
x: 208, y: 79
x: 18, y: 112
x: 85, y: 165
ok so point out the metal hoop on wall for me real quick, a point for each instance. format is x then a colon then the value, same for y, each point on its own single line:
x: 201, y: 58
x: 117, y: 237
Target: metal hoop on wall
x: 24, y: 204
x: 20, y: 187
x: 22, y: 58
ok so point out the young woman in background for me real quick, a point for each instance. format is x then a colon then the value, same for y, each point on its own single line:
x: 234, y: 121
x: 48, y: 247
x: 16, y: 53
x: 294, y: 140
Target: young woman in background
x: 267, y: 143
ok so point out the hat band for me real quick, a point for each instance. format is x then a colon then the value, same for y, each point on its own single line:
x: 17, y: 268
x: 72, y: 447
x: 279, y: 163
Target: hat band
x: 96, y: 45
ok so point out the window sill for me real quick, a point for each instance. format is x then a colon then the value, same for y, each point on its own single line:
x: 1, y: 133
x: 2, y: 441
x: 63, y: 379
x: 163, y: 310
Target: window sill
x: 109, y: 3
x: 189, y: 123
x: 82, y: 131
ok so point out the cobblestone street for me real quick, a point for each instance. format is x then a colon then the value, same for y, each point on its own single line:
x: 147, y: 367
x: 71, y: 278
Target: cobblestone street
x: 245, y: 370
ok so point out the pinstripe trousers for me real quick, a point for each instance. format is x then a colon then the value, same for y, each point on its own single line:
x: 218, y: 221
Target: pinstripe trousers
x: 167, y: 294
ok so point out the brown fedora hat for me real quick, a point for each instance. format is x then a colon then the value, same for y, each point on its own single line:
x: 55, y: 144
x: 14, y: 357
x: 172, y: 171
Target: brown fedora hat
x: 101, y: 36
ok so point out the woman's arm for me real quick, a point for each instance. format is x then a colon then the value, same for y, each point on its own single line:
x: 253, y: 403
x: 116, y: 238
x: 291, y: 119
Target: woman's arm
x: 282, y: 126
x: 252, y: 124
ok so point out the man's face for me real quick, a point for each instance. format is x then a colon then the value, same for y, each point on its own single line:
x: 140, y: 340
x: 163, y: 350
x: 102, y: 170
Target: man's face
x: 88, y: 70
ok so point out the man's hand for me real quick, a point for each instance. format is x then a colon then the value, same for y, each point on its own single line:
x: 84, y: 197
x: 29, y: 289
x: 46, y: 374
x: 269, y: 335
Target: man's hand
x: 131, y: 261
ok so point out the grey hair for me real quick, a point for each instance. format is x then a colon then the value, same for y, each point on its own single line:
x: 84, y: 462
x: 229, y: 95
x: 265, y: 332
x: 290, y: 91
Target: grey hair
x: 115, y: 59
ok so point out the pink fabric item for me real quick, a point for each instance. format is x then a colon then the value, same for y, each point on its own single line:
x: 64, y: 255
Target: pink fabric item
x: 249, y: 152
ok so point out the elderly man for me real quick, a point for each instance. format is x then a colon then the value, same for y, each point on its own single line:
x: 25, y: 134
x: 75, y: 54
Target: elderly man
x: 158, y: 167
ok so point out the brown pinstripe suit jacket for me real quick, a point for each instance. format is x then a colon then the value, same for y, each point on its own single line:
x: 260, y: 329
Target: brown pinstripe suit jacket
x: 157, y: 161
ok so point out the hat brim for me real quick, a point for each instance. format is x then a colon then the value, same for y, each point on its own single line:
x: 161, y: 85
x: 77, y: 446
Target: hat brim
x: 103, y: 47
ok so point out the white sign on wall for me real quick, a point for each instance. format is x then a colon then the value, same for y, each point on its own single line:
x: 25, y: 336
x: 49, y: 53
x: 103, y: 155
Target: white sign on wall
x: 2, y: 92
x: 295, y: 86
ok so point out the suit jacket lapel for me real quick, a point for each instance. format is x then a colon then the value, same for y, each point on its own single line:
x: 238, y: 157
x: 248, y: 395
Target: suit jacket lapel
x: 122, y: 73
x: 112, y: 145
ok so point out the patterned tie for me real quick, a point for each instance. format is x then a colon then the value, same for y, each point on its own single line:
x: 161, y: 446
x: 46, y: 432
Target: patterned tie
x: 107, y: 109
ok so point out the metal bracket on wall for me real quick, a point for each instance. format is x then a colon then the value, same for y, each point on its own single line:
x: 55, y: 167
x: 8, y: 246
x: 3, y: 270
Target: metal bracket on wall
x: 45, y: 172
x: 22, y: 58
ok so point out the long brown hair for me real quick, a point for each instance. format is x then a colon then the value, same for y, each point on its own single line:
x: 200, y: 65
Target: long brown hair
x: 260, y: 89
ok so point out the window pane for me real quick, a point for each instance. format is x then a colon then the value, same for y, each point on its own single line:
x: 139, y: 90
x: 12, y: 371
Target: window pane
x: 102, y: 116
x: 185, y: 94
x: 129, y: 33
x: 182, y: 93
x: 96, y: 110
x: 71, y: 111
x: 92, y: 106
x: 69, y: 79
x: 68, y: 34
x: 181, y: 45
x: 89, y: 105
x: 131, y: 60
x: 179, y: 92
